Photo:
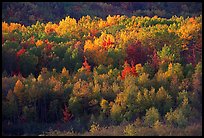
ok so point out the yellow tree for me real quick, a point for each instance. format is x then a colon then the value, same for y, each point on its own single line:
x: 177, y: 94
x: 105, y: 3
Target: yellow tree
x: 18, y: 90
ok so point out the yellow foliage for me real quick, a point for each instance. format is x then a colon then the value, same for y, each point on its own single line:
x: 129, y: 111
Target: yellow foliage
x: 89, y: 45
x: 65, y: 72
x: 5, y: 27
x: 143, y: 79
x: 102, y: 24
x: 139, y: 97
x: 49, y: 28
x: 189, y: 29
x: 57, y: 87
x: 138, y: 67
x: 104, y: 104
x: 40, y: 78
x: 94, y: 127
x: 112, y: 20
x: 66, y: 25
x: 13, y: 26
x: 39, y: 43
x: 18, y: 87
x: 161, y: 94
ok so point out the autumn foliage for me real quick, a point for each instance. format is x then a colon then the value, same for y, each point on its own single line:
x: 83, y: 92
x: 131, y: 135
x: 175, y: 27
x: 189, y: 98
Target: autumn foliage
x: 108, y: 71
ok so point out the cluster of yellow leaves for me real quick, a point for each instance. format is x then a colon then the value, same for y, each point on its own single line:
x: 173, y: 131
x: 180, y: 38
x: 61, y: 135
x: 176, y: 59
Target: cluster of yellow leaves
x: 143, y: 78
x: 5, y: 27
x: 40, y: 78
x: 189, y: 29
x: 89, y: 46
x: 94, y: 127
x: 65, y: 73
x: 50, y: 28
x: 98, y: 49
x: 126, y: 36
x: 138, y: 68
x: 173, y: 69
x: 102, y: 24
x: 105, y: 40
x: 39, y: 43
x: 58, y: 87
x: 104, y: 104
x: 81, y: 89
x: 18, y: 87
x: 113, y: 20
x: 13, y: 26
x: 110, y: 20
x: 66, y: 25
x: 87, y: 22
x: 18, y: 90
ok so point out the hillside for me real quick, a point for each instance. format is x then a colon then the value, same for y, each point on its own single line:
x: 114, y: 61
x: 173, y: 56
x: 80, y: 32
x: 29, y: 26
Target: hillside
x: 118, y: 75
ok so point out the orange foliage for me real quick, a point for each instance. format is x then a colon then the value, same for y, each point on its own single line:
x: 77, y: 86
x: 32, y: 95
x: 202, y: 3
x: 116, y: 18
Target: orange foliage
x: 86, y: 65
x: 128, y: 70
x: 32, y: 40
x: 39, y: 43
x: 50, y: 28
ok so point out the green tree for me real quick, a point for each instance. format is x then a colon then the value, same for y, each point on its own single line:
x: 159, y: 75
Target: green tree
x: 152, y: 115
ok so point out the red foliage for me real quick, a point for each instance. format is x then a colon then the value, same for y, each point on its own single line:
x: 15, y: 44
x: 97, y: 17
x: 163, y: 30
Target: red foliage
x: 128, y: 70
x: 94, y: 32
x: 194, y: 53
x: 13, y: 39
x: 155, y: 60
x: 48, y: 45
x: 20, y: 52
x: 136, y: 53
x: 107, y: 43
x: 32, y: 40
x: 86, y: 65
x: 104, y: 44
x: 66, y: 114
x: 133, y: 70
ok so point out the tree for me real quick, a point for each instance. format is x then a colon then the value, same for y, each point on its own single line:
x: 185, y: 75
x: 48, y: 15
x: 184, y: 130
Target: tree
x: 18, y: 91
x: 128, y: 70
x: 151, y: 116
x: 116, y: 113
x: 163, y: 101
x: 176, y: 118
x: 136, y: 53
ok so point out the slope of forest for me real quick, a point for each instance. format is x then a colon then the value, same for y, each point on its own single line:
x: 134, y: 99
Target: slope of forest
x: 120, y: 75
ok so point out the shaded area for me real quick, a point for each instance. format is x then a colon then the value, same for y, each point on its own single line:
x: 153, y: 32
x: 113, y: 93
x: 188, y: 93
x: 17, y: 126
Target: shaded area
x: 28, y: 13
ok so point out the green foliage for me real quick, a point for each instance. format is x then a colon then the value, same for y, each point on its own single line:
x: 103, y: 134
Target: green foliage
x: 116, y: 113
x: 176, y: 118
x: 29, y: 65
x: 163, y: 101
x: 152, y: 115
x: 80, y: 65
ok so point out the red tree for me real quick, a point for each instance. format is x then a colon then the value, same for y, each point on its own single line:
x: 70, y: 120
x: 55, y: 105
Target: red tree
x: 66, y: 114
x: 86, y: 65
x: 136, y: 53
x: 128, y: 70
